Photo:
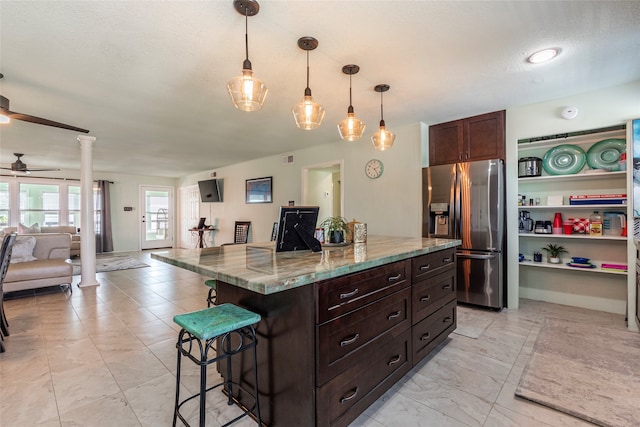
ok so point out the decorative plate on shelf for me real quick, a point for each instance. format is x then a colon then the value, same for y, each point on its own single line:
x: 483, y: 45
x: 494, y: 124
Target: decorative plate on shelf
x: 606, y: 154
x: 565, y: 159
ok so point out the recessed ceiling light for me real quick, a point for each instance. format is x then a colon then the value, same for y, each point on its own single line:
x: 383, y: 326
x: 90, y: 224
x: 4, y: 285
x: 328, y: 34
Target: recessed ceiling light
x: 543, y: 56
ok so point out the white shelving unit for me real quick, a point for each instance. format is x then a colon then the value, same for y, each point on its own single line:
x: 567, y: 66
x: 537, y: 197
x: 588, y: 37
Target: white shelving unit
x: 596, y: 288
x: 573, y: 269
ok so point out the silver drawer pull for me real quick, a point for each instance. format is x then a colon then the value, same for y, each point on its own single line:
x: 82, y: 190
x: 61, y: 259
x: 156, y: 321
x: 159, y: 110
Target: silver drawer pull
x: 447, y: 259
x: 394, y: 315
x: 447, y: 319
x: 394, y: 278
x: 425, y: 267
x: 445, y: 287
x: 425, y: 298
x: 395, y: 360
x: 349, y: 340
x: 425, y: 337
x: 349, y: 294
x: 354, y: 393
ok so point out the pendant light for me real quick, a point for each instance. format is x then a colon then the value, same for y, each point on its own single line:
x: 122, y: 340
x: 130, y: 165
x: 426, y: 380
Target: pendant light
x: 247, y: 92
x: 351, y: 128
x: 307, y: 113
x: 382, y: 139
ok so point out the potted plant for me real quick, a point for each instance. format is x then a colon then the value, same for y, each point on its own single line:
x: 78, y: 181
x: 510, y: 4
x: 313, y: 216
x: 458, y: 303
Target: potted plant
x: 335, y: 228
x: 554, y: 252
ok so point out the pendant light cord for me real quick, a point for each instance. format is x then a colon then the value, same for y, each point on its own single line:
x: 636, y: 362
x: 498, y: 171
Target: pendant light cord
x: 246, y: 34
x: 381, y: 110
x: 307, y: 91
x: 350, y: 103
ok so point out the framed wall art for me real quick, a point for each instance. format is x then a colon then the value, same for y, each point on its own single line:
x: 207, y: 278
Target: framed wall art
x: 258, y: 190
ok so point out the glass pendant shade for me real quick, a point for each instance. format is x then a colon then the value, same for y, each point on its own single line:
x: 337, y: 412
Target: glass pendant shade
x: 383, y: 139
x: 247, y: 92
x: 351, y: 128
x: 307, y: 113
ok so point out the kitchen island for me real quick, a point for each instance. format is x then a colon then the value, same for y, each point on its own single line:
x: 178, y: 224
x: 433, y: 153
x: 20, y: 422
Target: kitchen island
x: 339, y: 327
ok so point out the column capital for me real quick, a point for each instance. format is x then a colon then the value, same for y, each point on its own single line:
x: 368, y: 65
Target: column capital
x: 85, y: 139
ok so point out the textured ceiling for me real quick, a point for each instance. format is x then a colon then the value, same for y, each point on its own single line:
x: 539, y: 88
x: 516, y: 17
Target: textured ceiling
x: 148, y: 78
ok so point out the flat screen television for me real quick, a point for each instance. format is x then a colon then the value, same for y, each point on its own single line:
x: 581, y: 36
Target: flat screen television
x: 296, y: 228
x: 211, y: 190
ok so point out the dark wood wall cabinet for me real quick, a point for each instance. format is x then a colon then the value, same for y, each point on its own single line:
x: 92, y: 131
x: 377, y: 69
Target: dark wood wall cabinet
x: 474, y: 138
x: 327, y: 351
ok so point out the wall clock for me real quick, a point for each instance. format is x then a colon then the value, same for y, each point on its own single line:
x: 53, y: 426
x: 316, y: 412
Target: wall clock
x: 374, y: 168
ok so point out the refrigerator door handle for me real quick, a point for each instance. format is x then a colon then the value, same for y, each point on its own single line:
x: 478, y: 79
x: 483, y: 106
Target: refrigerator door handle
x: 474, y: 256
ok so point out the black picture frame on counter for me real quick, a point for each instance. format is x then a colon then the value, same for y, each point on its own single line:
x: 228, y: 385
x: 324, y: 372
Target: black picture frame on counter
x: 258, y: 190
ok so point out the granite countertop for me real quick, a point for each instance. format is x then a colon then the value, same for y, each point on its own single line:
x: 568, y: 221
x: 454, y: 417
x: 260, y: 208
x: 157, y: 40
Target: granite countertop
x: 257, y: 267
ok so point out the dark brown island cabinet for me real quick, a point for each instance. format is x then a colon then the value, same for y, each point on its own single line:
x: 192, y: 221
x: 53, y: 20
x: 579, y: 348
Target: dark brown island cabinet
x: 479, y: 137
x: 328, y: 350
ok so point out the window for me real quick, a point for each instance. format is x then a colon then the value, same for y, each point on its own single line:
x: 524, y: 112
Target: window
x: 4, y: 204
x: 74, y: 205
x: 39, y: 203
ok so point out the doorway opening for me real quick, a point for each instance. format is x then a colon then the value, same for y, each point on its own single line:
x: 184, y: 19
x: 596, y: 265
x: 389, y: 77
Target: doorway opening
x: 323, y: 186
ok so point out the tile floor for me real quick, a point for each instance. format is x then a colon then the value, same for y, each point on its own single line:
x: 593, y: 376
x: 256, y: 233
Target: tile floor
x: 105, y: 356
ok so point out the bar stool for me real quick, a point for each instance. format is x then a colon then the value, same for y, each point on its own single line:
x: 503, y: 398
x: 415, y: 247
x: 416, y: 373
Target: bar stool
x: 205, y: 327
x: 212, y: 296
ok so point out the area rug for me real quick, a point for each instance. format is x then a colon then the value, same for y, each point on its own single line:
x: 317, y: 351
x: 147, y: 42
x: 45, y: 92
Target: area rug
x: 471, y: 324
x: 587, y: 371
x: 110, y: 262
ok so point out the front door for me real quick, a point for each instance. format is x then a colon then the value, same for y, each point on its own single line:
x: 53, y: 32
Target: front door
x: 156, y: 229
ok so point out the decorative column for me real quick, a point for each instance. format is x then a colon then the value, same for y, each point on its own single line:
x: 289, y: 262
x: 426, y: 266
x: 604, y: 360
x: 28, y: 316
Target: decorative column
x: 87, y: 226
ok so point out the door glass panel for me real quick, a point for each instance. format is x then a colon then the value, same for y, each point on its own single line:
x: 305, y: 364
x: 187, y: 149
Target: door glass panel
x: 157, y: 215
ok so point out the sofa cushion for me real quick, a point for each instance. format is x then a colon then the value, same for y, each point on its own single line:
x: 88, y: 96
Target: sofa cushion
x: 23, y: 249
x: 38, y: 269
x: 23, y: 229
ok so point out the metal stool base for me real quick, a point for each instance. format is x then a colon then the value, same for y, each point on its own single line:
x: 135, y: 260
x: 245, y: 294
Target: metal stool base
x: 248, y: 341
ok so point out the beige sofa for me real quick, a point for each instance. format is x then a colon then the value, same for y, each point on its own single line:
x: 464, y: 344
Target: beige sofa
x: 49, y: 269
x: 75, y: 236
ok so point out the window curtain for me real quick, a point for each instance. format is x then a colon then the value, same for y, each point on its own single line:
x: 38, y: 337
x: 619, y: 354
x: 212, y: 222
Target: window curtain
x: 102, y: 209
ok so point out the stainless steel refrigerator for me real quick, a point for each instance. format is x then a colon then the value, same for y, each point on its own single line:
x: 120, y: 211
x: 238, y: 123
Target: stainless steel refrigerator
x: 466, y: 201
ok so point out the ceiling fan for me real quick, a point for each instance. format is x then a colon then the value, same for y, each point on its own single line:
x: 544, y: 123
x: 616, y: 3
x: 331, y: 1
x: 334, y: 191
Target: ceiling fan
x: 6, y: 115
x: 19, y: 167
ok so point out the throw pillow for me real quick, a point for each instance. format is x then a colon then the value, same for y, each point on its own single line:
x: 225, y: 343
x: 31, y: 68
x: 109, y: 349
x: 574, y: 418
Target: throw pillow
x: 23, y: 249
x: 34, y: 229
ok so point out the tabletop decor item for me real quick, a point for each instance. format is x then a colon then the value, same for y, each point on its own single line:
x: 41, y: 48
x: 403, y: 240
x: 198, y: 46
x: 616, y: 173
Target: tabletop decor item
x: 335, y: 228
x: 554, y: 251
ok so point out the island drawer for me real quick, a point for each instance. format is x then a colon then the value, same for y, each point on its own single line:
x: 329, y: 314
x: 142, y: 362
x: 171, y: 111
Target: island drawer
x: 346, y: 340
x: 427, y: 294
x: 342, y: 399
x: 336, y: 297
x: 425, y: 265
x: 433, y: 330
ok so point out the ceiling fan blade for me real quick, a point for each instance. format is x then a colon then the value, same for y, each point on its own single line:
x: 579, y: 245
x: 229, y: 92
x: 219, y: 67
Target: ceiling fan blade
x: 41, y: 121
x: 41, y: 170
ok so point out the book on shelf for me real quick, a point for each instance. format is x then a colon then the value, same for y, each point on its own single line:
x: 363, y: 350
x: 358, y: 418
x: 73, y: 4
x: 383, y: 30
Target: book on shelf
x: 598, y: 196
x: 598, y: 199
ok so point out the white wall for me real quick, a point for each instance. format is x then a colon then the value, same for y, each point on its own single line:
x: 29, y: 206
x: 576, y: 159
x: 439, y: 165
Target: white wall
x: 607, y: 107
x: 390, y: 205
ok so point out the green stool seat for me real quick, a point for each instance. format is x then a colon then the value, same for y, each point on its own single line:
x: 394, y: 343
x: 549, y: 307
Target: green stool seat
x: 213, y: 335
x: 212, y: 296
x: 216, y: 321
